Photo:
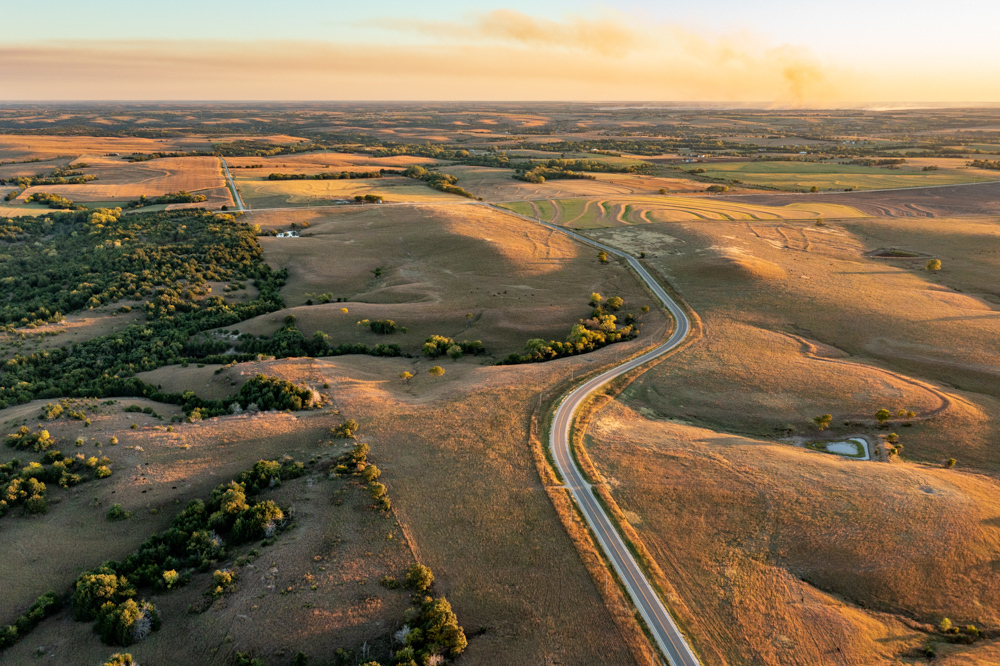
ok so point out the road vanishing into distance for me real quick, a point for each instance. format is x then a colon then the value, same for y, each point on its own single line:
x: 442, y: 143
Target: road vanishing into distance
x: 668, y: 636
x: 232, y: 186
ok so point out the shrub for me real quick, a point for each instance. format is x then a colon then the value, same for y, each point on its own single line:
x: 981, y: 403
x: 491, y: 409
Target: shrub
x: 246, y: 659
x: 346, y: 429
x: 883, y: 415
x: 376, y: 490
x: 371, y: 473
x: 117, y: 512
x: 257, y: 521
x: 823, y: 422
x: 950, y: 463
x: 121, y: 659
x: 406, y: 376
x: 602, y: 257
x: 717, y: 188
x: 273, y: 393
x: 383, y: 326
x: 436, y: 371
x: 126, y: 623
x: 171, y: 578
x: 455, y: 352
x: 934, y: 265
x: 95, y: 588
x: 419, y: 578
x: 615, y: 303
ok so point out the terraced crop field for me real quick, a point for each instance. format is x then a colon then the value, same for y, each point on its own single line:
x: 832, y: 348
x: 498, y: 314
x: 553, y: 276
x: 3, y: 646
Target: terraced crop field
x: 595, y: 214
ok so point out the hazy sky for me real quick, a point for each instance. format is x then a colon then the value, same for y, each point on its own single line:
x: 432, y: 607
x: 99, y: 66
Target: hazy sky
x: 785, y: 52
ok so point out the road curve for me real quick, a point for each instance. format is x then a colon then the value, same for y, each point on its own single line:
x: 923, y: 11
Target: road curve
x: 232, y: 186
x: 668, y: 636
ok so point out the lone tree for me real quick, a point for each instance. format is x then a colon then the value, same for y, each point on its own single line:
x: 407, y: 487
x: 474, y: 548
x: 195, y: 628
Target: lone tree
x: 934, y: 265
x: 602, y: 257
x: 436, y: 371
x: 950, y: 463
x: 406, y: 376
x: 883, y: 415
x: 823, y: 422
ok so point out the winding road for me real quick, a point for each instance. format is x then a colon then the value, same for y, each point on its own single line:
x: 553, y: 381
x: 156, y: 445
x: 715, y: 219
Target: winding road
x: 668, y: 636
x: 232, y: 186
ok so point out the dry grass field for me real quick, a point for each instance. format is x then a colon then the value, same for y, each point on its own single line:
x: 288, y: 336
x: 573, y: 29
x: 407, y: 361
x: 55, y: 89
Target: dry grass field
x: 258, y: 192
x: 315, y: 162
x: 438, y: 265
x: 829, y: 175
x: 595, y: 213
x: 887, y: 332
x: 956, y: 200
x: 26, y: 147
x: 498, y: 185
x: 119, y: 182
x: 786, y: 556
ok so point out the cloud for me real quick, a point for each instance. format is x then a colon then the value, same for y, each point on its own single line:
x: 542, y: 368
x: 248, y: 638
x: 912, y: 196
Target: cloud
x: 501, y: 55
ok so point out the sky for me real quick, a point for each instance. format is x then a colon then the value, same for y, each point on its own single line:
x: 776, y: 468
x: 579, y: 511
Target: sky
x: 795, y: 53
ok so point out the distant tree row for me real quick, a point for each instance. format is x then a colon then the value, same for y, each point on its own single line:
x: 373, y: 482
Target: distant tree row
x: 335, y: 175
x: 599, y: 330
x: 173, y: 198
x: 439, y: 181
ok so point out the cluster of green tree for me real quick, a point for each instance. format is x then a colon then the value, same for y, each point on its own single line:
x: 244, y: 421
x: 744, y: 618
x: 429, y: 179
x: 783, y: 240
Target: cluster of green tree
x: 600, y: 330
x: 383, y: 326
x: 53, y: 201
x: 46, y: 605
x: 369, y: 198
x: 433, y: 632
x: 288, y: 342
x: 58, y: 176
x: 439, y: 181
x: 53, y: 410
x: 431, y: 635
x: 355, y: 463
x: 985, y: 164
x: 196, y: 540
x: 271, y: 393
x: 173, y: 198
x: 25, y: 485
x: 136, y: 409
x: 588, y: 166
x: 145, y: 157
x: 438, y: 152
x: 55, y: 265
x: 133, y: 254
x: 438, y: 345
x: 540, y: 174
x: 335, y: 175
x: 888, y: 162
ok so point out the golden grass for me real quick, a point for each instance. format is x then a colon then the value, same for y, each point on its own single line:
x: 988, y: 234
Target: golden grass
x: 737, y: 523
x: 122, y: 181
x: 499, y: 185
x: 887, y: 323
x: 611, y: 212
x: 517, y: 280
x: 22, y: 147
x: 323, y: 161
x: 258, y: 192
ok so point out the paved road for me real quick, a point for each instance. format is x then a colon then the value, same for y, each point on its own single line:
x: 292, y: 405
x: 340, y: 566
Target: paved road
x: 232, y: 186
x: 668, y: 636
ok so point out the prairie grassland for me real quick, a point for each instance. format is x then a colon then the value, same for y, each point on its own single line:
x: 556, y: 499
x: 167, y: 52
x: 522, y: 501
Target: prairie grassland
x: 617, y: 211
x: 77, y: 327
x: 465, y: 486
x: 24, y: 147
x: 119, y: 181
x: 825, y: 175
x: 893, y: 335
x: 315, y: 590
x: 324, y: 161
x: 438, y: 265
x: 258, y: 192
x: 499, y: 185
x: 784, y: 555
